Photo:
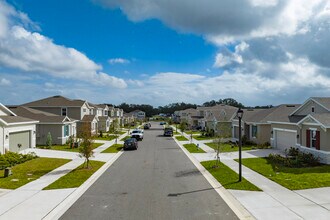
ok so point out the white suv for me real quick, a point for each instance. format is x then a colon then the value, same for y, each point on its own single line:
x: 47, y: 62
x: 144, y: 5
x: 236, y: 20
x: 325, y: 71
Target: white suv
x: 137, y: 134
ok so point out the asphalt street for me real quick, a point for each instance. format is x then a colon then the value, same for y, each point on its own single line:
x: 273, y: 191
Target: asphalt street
x: 157, y: 181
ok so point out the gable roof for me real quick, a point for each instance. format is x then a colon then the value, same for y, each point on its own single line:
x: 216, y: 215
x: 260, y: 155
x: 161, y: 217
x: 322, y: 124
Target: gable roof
x: 41, y: 116
x: 104, y: 118
x: 89, y: 118
x: 282, y: 113
x: 56, y: 101
x: 10, y: 119
x: 322, y: 101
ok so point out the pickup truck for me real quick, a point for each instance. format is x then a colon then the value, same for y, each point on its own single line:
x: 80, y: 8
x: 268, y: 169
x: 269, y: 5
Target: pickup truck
x: 137, y: 134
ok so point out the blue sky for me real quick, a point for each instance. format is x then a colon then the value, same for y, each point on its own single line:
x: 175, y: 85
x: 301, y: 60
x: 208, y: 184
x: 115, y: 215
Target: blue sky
x: 159, y: 52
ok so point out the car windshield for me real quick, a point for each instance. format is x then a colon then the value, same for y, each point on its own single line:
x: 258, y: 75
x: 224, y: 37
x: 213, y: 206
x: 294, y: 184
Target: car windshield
x: 130, y: 140
x: 136, y: 131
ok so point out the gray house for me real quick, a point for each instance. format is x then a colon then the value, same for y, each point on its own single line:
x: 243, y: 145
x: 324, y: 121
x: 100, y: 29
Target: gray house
x: 60, y: 127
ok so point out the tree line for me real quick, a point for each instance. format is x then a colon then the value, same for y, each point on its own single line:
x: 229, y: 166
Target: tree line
x: 171, y: 108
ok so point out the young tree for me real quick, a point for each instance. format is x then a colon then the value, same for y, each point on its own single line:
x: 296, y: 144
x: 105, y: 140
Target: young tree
x: 49, y: 140
x: 115, y: 128
x: 222, y: 136
x: 86, y: 145
x: 183, y: 125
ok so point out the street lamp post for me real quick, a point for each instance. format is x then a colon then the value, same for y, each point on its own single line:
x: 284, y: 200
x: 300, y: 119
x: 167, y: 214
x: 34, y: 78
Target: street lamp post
x: 240, y: 115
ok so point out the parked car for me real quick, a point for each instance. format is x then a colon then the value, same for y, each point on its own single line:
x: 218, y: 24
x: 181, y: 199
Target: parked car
x: 162, y: 123
x: 131, y: 143
x: 168, y: 131
x: 137, y: 134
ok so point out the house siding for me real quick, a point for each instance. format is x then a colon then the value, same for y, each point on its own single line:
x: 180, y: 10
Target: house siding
x: 324, y: 137
x: 263, y: 134
x: 307, y: 108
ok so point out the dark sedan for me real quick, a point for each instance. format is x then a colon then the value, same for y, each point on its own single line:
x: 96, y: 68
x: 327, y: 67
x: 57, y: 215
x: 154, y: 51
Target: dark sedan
x: 131, y: 143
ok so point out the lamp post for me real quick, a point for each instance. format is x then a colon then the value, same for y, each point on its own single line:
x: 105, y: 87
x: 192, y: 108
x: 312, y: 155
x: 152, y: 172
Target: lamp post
x: 240, y: 115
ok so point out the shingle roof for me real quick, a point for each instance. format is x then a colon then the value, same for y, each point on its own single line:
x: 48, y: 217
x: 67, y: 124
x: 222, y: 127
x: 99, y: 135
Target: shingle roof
x: 221, y: 112
x: 56, y: 101
x: 325, y: 101
x: 38, y: 115
x: 323, y: 118
x: 103, y: 118
x: 15, y: 119
x: 88, y: 118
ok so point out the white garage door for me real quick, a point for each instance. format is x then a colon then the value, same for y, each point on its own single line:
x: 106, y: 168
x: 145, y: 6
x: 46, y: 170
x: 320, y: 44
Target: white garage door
x: 19, y: 141
x: 285, y: 139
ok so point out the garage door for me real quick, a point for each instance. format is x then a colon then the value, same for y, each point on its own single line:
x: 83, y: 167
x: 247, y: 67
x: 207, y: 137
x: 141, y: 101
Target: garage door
x: 285, y: 139
x: 17, y: 139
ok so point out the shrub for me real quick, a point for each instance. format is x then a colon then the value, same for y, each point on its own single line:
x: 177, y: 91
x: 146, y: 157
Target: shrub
x: 295, y: 158
x: 49, y: 140
x: 101, y: 134
x: 11, y: 159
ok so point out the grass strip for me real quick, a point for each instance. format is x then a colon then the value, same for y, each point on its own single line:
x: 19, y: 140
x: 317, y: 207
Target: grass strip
x: 229, y: 147
x: 67, y: 147
x: 192, y: 148
x: 29, y: 171
x: 181, y: 138
x: 76, y: 177
x: 115, y: 148
x: 227, y: 177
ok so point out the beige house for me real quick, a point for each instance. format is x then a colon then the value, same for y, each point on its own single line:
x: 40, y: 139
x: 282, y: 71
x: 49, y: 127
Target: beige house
x: 60, y: 127
x: 89, y: 122
x: 16, y: 133
x: 308, y: 128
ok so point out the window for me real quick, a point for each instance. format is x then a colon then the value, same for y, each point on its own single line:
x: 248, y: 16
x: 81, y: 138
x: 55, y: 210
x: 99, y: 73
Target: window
x: 313, y: 138
x: 313, y: 109
x: 66, y: 130
x: 254, y: 131
x: 84, y: 109
x: 63, y: 112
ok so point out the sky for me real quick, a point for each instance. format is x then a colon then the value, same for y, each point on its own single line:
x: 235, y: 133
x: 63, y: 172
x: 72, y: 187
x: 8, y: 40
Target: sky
x: 164, y: 51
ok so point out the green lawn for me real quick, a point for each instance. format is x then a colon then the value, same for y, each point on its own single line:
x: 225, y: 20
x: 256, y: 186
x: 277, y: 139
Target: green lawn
x: 202, y: 138
x: 227, y: 177
x: 181, y: 138
x: 29, y: 171
x: 193, y: 149
x: 125, y: 138
x: 67, y: 147
x: 115, y: 148
x: 230, y: 148
x: 193, y: 132
x: 106, y: 137
x: 76, y: 177
x: 291, y: 178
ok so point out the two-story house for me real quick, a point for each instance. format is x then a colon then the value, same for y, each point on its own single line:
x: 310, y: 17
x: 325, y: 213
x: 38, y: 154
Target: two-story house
x: 73, y: 108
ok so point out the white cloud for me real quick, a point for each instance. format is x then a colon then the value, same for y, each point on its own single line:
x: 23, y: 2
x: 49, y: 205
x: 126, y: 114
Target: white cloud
x: 118, y: 61
x: 34, y: 53
x: 5, y: 82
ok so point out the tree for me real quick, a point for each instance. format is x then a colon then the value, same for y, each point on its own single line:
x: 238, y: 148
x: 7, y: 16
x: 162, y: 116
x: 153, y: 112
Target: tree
x: 49, y: 140
x: 224, y: 132
x: 86, y: 145
x: 183, y: 125
x: 115, y: 128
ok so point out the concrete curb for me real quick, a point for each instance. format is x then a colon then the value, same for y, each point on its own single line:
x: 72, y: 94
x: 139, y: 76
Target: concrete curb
x: 232, y: 202
x: 61, y: 208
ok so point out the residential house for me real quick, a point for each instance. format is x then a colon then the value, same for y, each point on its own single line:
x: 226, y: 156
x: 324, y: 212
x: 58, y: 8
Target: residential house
x: 138, y: 114
x: 128, y: 118
x: 73, y: 108
x: 101, y: 112
x: 308, y: 128
x: 218, y: 119
x: 16, y: 133
x: 60, y: 127
x: 190, y: 116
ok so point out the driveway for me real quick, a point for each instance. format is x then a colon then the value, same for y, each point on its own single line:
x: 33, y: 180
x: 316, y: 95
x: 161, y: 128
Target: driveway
x: 157, y: 181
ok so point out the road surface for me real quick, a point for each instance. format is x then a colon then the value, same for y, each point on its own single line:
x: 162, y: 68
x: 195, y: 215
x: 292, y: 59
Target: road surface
x: 157, y: 181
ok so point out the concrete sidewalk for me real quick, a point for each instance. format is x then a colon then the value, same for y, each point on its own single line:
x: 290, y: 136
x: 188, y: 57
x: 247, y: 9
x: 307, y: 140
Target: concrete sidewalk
x: 30, y: 201
x: 275, y: 201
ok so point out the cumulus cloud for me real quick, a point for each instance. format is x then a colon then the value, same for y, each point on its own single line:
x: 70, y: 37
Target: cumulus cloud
x: 4, y: 82
x: 118, y: 61
x: 32, y: 53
